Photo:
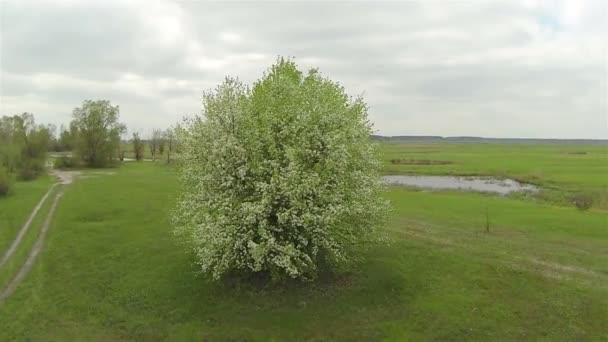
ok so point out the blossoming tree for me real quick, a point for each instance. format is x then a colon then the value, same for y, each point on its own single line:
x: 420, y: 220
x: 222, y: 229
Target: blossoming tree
x: 279, y: 178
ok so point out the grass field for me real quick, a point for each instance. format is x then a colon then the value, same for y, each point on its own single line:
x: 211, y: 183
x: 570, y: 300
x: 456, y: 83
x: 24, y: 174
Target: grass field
x: 574, y: 165
x: 111, y: 269
x: 562, y: 170
x: 16, y: 261
x: 15, y: 208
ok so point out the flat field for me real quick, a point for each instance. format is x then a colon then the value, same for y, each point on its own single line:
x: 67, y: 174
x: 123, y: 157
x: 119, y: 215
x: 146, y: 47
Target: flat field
x: 562, y: 170
x: 15, y: 208
x: 460, y: 265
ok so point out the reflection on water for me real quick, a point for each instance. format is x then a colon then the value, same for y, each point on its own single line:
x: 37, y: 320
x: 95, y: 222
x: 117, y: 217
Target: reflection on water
x: 501, y: 186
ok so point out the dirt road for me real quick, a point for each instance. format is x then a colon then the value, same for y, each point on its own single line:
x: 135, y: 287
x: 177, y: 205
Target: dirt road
x: 64, y: 178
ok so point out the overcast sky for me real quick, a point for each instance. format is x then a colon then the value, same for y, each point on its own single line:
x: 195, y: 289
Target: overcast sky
x: 482, y: 68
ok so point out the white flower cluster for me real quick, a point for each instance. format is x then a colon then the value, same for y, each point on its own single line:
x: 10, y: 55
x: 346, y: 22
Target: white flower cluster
x: 279, y: 178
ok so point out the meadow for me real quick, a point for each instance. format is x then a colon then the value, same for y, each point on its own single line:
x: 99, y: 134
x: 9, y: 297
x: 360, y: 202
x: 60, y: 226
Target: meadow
x: 15, y: 208
x: 459, y: 265
x: 561, y: 170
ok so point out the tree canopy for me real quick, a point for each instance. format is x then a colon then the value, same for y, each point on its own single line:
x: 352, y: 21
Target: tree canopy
x: 23, y: 145
x: 280, y: 178
x: 98, y: 132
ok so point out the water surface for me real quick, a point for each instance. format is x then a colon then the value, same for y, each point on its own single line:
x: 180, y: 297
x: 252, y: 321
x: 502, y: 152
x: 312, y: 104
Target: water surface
x: 501, y: 186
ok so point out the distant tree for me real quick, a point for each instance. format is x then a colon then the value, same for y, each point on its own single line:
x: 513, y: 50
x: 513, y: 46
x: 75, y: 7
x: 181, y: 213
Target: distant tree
x: 98, y: 132
x: 5, y: 181
x: 155, y: 139
x: 124, y: 143
x: 170, y: 139
x: 53, y: 144
x: 10, y: 145
x: 23, y: 145
x: 279, y: 180
x: 67, y: 135
x: 152, y: 147
x: 161, y: 143
x: 9, y: 154
x: 37, y: 140
x: 138, y: 147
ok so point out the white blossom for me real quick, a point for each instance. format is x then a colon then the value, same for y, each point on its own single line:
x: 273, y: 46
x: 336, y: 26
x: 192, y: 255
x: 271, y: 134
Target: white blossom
x: 279, y: 177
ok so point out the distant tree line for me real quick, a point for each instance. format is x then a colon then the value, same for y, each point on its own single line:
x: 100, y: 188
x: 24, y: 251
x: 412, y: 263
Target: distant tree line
x: 161, y: 144
x: 93, y: 138
x: 23, y: 149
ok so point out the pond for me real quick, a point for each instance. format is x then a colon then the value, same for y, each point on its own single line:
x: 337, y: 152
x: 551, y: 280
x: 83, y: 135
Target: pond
x: 501, y: 186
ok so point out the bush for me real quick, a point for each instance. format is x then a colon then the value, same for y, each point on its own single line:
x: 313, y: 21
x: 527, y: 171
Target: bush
x: 280, y: 179
x: 64, y: 162
x: 583, y: 201
x: 26, y: 174
x: 30, y: 170
x: 5, y: 182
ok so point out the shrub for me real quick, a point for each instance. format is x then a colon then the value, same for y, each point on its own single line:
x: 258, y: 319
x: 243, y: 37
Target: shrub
x: 23, y: 145
x: 583, y: 201
x: 26, y: 174
x: 64, y: 162
x: 280, y: 179
x: 5, y: 182
x: 30, y: 170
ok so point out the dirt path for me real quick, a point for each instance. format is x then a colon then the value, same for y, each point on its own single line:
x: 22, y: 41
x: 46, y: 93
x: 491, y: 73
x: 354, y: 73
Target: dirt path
x: 64, y: 178
x: 11, y: 249
x: 29, y: 263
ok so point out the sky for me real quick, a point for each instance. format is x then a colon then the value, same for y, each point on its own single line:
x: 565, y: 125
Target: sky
x: 527, y: 69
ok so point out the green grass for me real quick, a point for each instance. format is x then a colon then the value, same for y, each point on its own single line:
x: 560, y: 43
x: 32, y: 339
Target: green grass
x: 112, y: 270
x: 544, y: 164
x: 15, y: 208
x: 562, y: 170
x: 14, y: 263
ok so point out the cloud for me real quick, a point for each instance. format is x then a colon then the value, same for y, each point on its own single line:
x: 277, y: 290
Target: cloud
x: 487, y: 68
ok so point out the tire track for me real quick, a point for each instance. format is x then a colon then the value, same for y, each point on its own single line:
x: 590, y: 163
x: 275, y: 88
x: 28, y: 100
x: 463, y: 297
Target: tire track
x: 13, y: 247
x: 29, y: 263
